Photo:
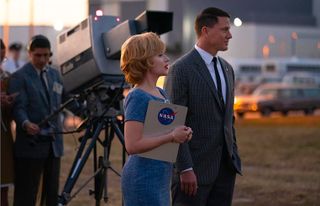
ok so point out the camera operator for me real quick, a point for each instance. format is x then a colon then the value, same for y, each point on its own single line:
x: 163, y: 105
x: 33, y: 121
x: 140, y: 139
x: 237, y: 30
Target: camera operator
x: 37, y: 149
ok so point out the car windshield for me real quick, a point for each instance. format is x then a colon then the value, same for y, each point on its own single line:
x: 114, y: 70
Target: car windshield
x: 290, y: 93
x: 265, y: 92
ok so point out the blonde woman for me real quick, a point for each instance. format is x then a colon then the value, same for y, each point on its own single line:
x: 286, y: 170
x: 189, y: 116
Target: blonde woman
x: 145, y: 181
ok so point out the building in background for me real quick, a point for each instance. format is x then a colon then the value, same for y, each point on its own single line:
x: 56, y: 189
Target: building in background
x: 265, y: 29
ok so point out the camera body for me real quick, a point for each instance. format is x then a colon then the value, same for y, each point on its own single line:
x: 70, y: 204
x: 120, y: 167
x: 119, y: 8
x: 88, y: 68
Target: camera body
x: 89, y: 53
x: 81, y: 54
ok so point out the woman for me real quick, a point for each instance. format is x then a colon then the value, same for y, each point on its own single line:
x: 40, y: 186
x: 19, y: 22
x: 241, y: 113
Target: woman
x: 145, y: 181
x: 6, y: 139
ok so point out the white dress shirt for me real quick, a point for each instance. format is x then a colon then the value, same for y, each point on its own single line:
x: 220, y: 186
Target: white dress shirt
x: 11, y: 66
x: 207, y: 58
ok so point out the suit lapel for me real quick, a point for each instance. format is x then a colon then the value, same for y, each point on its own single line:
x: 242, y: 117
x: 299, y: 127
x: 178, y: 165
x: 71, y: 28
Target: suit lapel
x: 50, y: 86
x: 37, y: 82
x: 204, y: 72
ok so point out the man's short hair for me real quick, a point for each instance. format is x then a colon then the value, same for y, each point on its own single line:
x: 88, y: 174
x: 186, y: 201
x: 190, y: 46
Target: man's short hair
x: 39, y: 41
x: 208, y: 17
x: 15, y: 46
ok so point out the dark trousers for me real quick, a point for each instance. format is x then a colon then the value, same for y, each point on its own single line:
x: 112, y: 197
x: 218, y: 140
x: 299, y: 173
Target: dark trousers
x: 219, y: 193
x: 28, y: 173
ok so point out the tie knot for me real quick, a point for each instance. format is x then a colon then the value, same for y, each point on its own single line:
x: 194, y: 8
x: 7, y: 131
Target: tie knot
x: 42, y: 72
x: 214, y: 60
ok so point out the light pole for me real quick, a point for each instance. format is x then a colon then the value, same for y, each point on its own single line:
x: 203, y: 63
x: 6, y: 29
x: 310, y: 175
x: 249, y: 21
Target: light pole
x: 303, y: 36
x: 6, y: 28
x: 31, y: 25
x: 294, y: 38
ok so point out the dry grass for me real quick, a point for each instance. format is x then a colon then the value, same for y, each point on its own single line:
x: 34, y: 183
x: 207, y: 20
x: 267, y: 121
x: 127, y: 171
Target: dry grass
x: 281, y: 161
x: 281, y: 164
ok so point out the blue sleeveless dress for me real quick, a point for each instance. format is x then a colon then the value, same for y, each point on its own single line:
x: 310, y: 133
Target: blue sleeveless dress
x: 144, y: 181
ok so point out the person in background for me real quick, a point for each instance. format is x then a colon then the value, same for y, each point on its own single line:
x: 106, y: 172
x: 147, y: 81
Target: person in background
x: 2, y: 51
x: 145, y: 181
x: 38, y: 147
x: 206, y: 166
x: 6, y: 139
x: 13, y: 62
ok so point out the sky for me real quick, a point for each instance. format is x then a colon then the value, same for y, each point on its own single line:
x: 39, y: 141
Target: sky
x: 43, y: 12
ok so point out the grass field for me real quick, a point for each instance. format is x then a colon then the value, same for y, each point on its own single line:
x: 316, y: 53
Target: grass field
x: 281, y: 162
x: 280, y: 156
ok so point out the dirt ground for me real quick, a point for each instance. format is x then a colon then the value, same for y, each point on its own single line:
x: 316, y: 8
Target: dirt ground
x: 280, y: 156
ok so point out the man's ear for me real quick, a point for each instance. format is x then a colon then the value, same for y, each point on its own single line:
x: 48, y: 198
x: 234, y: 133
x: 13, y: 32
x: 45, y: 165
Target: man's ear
x: 204, y: 30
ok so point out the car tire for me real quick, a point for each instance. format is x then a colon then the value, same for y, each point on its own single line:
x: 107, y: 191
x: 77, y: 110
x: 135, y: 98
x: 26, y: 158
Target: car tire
x: 266, y: 112
x: 309, y: 111
x: 240, y: 114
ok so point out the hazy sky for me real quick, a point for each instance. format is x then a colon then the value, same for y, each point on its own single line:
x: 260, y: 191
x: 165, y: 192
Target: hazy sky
x: 43, y: 12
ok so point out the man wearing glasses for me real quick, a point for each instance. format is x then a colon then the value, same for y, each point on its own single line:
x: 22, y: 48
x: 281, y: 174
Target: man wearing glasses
x: 38, y: 147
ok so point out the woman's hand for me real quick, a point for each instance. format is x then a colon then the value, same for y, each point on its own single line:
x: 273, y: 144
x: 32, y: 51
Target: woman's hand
x: 181, y: 134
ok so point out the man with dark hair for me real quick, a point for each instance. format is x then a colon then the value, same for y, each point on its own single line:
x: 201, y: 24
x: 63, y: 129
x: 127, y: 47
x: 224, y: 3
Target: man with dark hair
x: 13, y: 62
x: 206, y: 166
x: 38, y: 147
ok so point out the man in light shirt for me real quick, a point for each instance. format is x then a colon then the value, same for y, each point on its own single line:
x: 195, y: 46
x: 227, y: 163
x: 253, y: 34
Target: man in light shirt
x: 206, y: 166
x: 38, y: 147
x: 14, y: 61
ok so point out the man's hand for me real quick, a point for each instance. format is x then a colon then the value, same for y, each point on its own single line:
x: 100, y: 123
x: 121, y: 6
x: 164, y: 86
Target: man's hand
x: 189, y: 183
x: 7, y: 100
x: 31, y: 128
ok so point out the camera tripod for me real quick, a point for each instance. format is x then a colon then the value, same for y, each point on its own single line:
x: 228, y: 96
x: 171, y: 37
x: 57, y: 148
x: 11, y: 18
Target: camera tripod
x: 106, y: 120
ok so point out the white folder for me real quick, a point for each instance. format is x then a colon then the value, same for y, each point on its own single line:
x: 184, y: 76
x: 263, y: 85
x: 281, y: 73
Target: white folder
x: 162, y: 118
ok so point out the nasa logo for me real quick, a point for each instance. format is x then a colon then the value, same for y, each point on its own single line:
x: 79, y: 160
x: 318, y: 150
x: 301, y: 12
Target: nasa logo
x: 166, y: 116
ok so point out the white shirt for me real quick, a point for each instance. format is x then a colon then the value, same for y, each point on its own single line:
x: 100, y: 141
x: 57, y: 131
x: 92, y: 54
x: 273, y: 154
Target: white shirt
x: 45, y: 69
x: 10, y: 66
x: 207, y: 58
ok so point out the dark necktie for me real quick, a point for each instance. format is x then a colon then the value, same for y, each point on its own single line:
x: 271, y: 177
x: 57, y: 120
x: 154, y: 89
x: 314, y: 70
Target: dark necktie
x: 218, y: 80
x: 16, y: 63
x: 43, y: 82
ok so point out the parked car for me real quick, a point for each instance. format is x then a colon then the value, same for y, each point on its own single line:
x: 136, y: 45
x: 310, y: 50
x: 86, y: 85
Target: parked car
x: 279, y: 97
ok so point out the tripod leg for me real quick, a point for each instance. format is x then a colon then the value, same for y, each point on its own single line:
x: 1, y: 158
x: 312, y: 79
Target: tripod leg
x: 97, y: 178
x: 121, y: 139
x: 100, y: 180
x: 109, y: 135
x: 118, y: 131
x: 79, y: 162
x: 120, y: 136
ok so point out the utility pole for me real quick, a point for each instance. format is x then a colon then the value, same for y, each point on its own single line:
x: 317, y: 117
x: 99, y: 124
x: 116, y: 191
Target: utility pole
x: 6, y: 28
x: 31, y: 25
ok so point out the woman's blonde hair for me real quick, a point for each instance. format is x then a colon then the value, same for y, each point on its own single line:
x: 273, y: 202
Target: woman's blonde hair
x: 136, y: 54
